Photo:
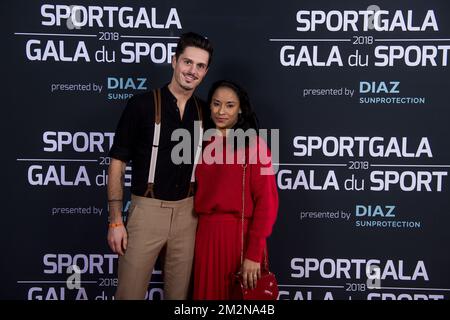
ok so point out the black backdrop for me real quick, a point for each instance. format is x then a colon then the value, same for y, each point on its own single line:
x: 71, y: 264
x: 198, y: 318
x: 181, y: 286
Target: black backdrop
x: 57, y: 128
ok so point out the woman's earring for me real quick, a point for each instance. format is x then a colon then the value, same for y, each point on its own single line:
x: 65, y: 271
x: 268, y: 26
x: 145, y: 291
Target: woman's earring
x: 240, y: 111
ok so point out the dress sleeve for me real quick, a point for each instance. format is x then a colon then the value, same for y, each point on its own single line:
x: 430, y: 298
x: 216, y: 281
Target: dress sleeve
x: 264, y: 193
x: 122, y: 147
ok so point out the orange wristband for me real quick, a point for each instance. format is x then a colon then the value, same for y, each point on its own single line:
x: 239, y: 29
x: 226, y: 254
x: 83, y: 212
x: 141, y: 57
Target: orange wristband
x: 115, y: 225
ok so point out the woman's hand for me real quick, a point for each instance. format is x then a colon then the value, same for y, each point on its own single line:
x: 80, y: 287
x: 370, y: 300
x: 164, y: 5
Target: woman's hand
x: 251, y: 272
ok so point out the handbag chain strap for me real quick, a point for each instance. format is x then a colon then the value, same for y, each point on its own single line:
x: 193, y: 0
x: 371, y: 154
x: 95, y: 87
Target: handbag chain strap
x: 244, y: 166
x: 266, y: 262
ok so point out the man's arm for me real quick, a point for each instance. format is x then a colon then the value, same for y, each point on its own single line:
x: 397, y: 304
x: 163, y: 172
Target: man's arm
x: 116, y: 174
x: 117, y: 234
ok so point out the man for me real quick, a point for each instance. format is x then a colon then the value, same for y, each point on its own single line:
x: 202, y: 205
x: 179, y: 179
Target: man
x: 161, y: 216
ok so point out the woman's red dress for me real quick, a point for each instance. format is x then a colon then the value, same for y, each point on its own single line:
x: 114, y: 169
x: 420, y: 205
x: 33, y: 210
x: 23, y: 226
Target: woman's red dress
x: 218, y: 202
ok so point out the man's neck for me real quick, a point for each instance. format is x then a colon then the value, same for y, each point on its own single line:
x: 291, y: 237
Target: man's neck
x: 180, y: 94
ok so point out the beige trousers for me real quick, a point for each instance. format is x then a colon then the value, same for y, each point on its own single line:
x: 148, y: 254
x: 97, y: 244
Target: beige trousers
x: 152, y: 225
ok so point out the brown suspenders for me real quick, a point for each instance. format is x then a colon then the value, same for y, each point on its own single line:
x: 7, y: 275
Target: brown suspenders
x: 198, y: 149
x: 156, y: 133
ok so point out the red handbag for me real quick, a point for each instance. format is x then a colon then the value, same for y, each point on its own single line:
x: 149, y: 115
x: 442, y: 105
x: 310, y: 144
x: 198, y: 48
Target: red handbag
x: 267, y: 286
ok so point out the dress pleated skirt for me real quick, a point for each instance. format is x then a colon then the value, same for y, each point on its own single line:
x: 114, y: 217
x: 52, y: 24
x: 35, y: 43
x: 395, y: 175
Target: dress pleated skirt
x: 217, y: 255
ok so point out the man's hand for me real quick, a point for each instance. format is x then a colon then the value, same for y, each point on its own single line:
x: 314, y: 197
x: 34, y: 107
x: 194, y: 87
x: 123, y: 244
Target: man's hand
x: 251, y: 272
x: 118, y: 239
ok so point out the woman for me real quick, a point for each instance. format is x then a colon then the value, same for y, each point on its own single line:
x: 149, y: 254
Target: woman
x: 219, y: 198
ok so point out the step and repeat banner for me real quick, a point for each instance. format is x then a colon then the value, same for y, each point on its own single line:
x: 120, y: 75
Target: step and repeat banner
x: 358, y: 90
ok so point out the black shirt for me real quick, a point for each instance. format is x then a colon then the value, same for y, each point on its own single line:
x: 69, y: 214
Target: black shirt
x: 133, y: 141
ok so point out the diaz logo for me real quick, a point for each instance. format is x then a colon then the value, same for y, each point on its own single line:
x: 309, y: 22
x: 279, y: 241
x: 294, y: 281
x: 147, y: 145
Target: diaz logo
x: 122, y: 86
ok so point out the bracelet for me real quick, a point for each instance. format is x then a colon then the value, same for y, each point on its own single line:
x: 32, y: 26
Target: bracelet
x: 114, y: 200
x: 115, y: 225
